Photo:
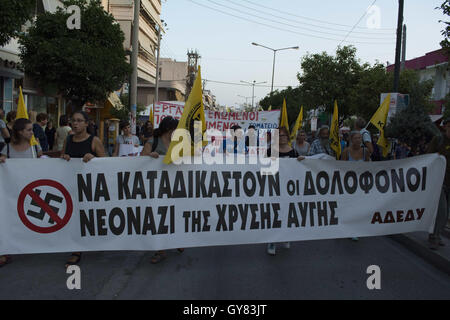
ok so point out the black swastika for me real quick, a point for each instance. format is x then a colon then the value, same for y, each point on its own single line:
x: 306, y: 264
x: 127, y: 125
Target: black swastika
x: 41, y: 214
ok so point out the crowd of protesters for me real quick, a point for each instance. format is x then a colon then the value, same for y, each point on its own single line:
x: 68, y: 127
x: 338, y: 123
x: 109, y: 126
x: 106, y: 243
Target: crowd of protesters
x: 76, y: 137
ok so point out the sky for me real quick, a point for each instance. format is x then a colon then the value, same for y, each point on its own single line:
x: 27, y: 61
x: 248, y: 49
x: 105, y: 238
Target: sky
x: 222, y: 32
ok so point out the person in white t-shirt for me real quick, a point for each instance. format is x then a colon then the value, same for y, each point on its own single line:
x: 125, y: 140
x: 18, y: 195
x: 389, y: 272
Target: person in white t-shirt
x: 360, y: 124
x: 125, y: 138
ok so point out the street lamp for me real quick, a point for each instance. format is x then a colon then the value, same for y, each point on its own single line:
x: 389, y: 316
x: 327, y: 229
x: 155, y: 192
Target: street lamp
x: 274, y: 52
x: 246, y: 98
x: 253, y: 92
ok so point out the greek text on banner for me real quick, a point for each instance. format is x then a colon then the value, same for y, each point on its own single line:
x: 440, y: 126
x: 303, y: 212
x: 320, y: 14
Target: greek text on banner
x: 141, y: 204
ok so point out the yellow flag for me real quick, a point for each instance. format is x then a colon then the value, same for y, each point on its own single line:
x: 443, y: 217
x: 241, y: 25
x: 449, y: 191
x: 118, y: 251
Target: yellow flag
x: 23, y: 114
x: 151, y: 115
x: 270, y: 108
x: 380, y: 116
x: 193, y: 111
x: 284, y: 118
x: 335, y: 142
x: 379, y: 120
x: 384, y: 144
x: 298, y: 125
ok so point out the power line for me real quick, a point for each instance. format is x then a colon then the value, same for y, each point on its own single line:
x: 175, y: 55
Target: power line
x: 290, y: 25
x: 286, y: 30
x: 242, y: 84
x: 308, y: 24
x: 365, y: 12
x: 311, y: 19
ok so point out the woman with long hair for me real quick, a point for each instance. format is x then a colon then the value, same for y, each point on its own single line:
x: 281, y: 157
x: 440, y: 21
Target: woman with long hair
x: 147, y: 133
x: 19, y: 147
x: 10, y: 118
x: 81, y: 145
x: 161, y: 142
x: 301, y: 145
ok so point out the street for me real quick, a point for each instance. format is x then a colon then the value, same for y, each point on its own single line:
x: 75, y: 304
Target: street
x: 324, y: 269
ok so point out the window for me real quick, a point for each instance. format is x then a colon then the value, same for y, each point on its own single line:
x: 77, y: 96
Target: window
x: 6, y: 96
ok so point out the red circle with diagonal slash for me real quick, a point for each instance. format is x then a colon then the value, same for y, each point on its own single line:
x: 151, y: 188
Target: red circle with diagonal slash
x: 28, y: 191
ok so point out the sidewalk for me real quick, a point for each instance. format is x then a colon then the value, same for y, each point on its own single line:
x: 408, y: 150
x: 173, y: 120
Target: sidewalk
x: 417, y: 242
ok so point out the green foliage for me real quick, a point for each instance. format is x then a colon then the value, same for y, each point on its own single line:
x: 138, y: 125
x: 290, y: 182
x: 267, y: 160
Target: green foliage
x: 124, y: 112
x: 14, y: 14
x: 294, y: 101
x: 447, y: 106
x: 355, y: 86
x: 412, y: 126
x: 81, y: 65
x: 326, y: 78
x: 445, y: 44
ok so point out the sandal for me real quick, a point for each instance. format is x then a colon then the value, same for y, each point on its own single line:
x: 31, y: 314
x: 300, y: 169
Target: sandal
x: 75, y: 261
x: 158, y: 257
x: 180, y: 250
x: 4, y: 260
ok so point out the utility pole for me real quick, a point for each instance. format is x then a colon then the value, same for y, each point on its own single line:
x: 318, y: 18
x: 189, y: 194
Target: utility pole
x: 134, y: 62
x: 274, y: 53
x: 253, y: 90
x: 401, y: 4
x: 157, y: 67
x: 193, y: 57
x: 403, y: 49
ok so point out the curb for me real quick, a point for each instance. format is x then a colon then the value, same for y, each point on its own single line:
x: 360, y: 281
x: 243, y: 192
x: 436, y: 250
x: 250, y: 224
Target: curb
x: 431, y: 256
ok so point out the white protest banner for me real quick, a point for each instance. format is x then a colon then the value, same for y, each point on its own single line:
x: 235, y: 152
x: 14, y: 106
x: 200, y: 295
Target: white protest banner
x: 51, y: 205
x: 129, y: 150
x: 221, y: 121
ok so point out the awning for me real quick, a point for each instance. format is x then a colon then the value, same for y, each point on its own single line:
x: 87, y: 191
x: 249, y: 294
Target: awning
x: 11, y: 73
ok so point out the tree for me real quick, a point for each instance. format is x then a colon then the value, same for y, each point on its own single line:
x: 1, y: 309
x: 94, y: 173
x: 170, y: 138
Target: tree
x: 355, y: 86
x: 294, y: 101
x: 412, y: 126
x: 445, y: 44
x: 124, y: 112
x: 326, y: 78
x: 365, y: 96
x: 83, y: 64
x: 14, y: 14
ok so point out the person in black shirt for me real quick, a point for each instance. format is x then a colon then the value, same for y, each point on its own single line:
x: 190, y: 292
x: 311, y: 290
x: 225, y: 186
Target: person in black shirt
x: 81, y: 145
x: 50, y: 132
x: 38, y: 130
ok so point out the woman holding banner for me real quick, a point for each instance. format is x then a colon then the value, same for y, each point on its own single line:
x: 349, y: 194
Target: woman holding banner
x: 301, y: 145
x: 161, y: 142
x: 19, y: 147
x: 81, y: 145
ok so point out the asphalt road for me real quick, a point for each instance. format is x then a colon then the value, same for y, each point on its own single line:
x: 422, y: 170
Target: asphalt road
x: 325, y: 269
